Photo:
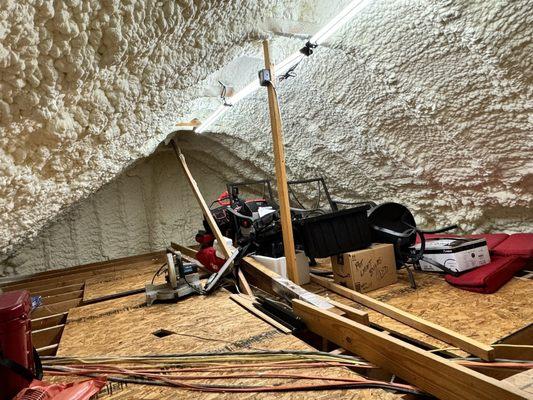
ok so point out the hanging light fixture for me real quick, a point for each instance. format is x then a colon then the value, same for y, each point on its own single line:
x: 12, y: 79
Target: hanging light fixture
x: 281, y: 68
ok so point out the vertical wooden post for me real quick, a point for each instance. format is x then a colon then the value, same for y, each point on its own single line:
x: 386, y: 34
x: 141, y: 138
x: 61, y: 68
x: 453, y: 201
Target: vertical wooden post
x: 281, y: 174
x: 205, y: 209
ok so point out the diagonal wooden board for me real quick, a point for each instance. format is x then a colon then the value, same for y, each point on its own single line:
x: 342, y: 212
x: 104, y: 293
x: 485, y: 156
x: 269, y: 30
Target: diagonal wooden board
x: 486, y: 318
x: 436, y: 375
x: 482, y: 350
x: 201, y: 324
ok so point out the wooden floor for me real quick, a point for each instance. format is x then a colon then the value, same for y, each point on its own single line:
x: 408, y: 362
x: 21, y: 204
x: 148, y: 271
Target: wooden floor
x: 125, y: 326
x: 484, y: 317
x: 199, y: 324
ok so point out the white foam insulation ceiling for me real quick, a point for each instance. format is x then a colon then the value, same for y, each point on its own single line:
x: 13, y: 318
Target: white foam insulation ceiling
x: 425, y: 102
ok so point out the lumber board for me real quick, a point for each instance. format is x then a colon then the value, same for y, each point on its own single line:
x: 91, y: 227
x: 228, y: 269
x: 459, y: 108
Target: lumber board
x: 463, y: 342
x: 51, y: 309
x: 76, y: 294
x: 243, y: 283
x: 247, y: 303
x: 47, y: 322
x: 281, y: 173
x: 55, y: 291
x: 38, y: 286
x: 46, y: 336
x: 514, y: 351
x: 352, y: 313
x: 48, y: 350
x: 523, y: 381
x: 188, y: 251
x: 62, y: 272
x: 431, y: 373
x: 71, y: 279
x: 201, y: 202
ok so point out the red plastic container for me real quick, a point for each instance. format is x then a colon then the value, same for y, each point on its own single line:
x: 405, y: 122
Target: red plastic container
x: 15, y: 340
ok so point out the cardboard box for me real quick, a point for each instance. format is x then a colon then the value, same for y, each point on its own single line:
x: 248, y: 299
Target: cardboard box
x: 457, y: 254
x: 367, y: 269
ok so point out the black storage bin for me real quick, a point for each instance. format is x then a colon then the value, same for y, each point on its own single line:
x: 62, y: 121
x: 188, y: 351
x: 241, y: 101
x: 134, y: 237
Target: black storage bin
x: 335, y: 233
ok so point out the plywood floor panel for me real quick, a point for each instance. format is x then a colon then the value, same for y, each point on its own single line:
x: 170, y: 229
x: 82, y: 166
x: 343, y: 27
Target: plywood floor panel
x: 201, y: 324
x: 484, y: 317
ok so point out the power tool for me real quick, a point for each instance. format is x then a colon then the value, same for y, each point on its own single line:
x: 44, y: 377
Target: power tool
x: 182, y: 279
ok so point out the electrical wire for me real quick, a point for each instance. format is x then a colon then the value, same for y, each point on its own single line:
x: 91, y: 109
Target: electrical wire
x: 158, y: 272
x: 178, y: 380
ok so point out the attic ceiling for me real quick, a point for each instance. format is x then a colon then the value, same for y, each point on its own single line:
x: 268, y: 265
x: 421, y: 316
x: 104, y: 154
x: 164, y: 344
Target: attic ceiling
x: 423, y: 102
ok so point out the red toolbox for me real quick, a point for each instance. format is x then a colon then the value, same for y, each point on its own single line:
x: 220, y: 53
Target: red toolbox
x: 15, y: 341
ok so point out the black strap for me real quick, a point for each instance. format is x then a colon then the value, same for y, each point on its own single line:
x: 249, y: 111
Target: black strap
x: 17, y: 368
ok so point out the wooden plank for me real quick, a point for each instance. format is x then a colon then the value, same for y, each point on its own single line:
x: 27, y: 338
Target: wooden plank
x: 47, y: 285
x: 201, y: 202
x: 429, y: 372
x: 47, y: 336
x: 483, y: 351
x: 188, y: 251
x: 48, y: 350
x: 71, y: 279
x: 47, y: 322
x: 47, y: 310
x: 243, y: 284
x: 281, y: 173
x: 523, y: 381
x: 77, y: 294
x: 513, y: 351
x: 63, y: 272
x: 352, y: 313
x: 61, y: 290
x: 247, y: 303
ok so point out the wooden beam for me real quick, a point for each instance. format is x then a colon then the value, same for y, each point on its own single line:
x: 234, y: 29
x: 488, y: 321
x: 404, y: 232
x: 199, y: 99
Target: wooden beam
x: 63, y: 272
x: 201, y: 202
x: 47, y: 322
x: 281, y: 173
x: 77, y: 294
x: 248, y: 305
x: 513, y: 351
x: 47, y: 336
x: 352, y: 313
x: 188, y: 251
x: 48, y: 350
x: 61, y: 290
x: 47, y: 310
x: 483, y: 351
x: 431, y: 373
x: 243, y: 284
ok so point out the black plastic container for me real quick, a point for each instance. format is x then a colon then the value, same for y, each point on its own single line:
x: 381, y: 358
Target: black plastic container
x: 335, y: 233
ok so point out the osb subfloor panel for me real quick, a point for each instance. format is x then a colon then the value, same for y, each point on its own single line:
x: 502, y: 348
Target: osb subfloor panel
x: 121, y: 281
x: 484, y: 317
x: 201, y: 324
